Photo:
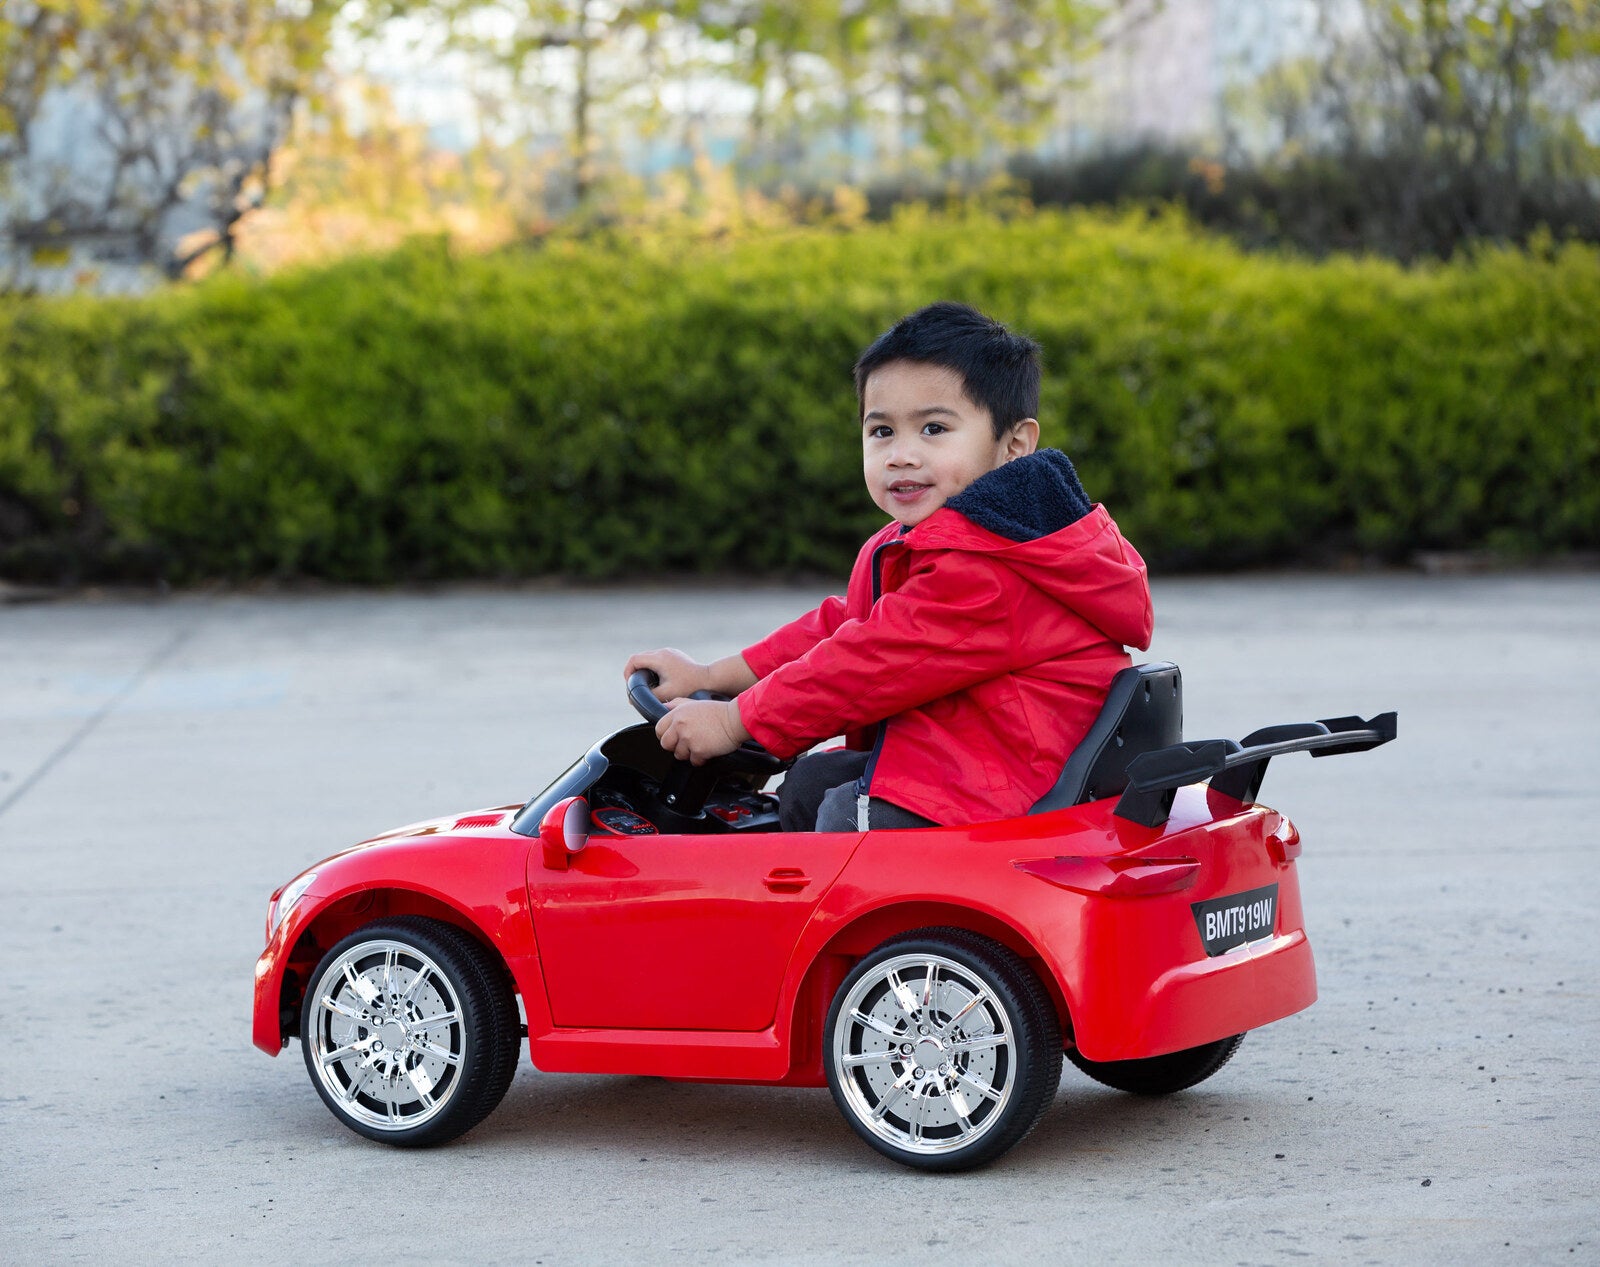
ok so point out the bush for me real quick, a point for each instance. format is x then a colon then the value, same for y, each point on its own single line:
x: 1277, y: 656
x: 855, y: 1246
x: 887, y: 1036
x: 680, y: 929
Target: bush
x: 608, y: 406
x: 1407, y: 206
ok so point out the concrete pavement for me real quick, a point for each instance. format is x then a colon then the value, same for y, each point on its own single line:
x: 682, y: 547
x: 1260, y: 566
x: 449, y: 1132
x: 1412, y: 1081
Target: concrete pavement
x: 165, y: 762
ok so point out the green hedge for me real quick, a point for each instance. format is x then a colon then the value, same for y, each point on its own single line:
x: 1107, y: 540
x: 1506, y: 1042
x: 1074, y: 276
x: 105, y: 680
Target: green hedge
x: 602, y: 407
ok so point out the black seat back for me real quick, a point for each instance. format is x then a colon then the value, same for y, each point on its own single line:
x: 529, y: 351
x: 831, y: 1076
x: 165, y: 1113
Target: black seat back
x: 1143, y: 711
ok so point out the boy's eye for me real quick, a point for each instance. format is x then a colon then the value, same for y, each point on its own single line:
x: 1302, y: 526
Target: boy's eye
x: 880, y: 432
x: 934, y: 429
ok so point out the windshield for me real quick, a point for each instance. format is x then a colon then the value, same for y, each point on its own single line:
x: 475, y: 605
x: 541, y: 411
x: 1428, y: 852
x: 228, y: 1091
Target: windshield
x: 577, y: 779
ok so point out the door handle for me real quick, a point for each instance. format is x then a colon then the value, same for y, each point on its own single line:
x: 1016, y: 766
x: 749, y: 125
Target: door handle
x: 786, y: 879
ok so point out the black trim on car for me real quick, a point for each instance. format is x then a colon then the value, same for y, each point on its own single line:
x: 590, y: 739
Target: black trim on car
x: 1236, y: 769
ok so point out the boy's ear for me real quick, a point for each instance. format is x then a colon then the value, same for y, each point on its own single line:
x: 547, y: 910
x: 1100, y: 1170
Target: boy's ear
x: 1022, y: 439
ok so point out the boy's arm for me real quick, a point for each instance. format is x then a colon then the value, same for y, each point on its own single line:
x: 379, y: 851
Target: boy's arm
x: 943, y: 630
x: 791, y: 641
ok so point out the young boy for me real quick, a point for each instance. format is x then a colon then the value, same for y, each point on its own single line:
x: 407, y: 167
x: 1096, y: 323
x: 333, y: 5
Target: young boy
x: 981, y: 628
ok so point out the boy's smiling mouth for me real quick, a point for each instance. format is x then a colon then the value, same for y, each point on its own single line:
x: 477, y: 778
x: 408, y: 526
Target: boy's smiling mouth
x: 907, y: 490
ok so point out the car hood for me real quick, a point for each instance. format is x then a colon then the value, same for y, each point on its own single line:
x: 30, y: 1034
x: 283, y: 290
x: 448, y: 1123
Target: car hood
x: 473, y: 822
x: 486, y: 822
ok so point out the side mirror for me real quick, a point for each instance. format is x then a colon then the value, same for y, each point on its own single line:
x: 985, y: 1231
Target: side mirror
x: 563, y: 831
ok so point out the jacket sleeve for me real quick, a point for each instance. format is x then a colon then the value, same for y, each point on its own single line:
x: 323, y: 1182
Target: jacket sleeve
x: 791, y: 641
x: 943, y: 630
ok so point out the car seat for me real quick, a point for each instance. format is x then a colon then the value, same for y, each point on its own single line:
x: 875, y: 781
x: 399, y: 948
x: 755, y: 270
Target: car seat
x: 1143, y: 711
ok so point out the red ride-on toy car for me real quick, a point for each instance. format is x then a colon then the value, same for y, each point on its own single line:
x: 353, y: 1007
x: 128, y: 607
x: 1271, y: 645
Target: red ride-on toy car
x: 651, y: 919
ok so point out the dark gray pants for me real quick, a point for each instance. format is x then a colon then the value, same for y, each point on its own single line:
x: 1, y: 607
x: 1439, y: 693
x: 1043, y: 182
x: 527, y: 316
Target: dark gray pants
x: 819, y: 794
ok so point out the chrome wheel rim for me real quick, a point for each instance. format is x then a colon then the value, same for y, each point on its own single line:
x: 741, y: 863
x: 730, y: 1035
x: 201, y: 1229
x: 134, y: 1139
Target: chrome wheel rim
x: 924, y: 1053
x: 387, y: 1035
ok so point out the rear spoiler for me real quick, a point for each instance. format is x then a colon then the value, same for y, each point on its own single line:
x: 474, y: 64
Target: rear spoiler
x: 1236, y: 769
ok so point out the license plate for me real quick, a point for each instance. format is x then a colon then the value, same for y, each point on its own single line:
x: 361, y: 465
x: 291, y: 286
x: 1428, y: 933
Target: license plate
x: 1228, y: 922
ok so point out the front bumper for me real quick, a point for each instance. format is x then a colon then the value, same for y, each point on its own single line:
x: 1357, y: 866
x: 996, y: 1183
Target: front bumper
x: 268, y: 1030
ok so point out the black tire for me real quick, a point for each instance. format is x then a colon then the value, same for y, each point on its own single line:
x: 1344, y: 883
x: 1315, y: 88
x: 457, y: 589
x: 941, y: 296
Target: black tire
x: 989, y: 1024
x: 1161, y: 1075
x: 422, y: 1008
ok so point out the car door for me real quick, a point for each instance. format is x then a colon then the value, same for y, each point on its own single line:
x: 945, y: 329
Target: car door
x: 678, y: 932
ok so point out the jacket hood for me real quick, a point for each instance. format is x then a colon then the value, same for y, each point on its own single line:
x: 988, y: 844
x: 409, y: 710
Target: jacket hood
x: 1033, y: 515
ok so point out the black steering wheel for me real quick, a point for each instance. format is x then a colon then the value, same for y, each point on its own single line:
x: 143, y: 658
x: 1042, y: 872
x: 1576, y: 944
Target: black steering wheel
x: 748, y: 758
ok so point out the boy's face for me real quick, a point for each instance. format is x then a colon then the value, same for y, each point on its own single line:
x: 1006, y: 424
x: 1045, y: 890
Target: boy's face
x: 923, y: 441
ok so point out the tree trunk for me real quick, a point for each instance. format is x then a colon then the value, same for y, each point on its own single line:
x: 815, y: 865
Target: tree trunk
x: 583, y: 170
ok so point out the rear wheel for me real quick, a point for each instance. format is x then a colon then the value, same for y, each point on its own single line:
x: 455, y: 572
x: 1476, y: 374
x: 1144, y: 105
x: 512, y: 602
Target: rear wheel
x: 1161, y: 1075
x: 410, y: 1031
x: 943, y: 1049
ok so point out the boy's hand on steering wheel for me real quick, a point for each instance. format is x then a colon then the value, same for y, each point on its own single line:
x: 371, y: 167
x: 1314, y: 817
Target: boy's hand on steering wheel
x: 696, y: 730
x: 680, y: 675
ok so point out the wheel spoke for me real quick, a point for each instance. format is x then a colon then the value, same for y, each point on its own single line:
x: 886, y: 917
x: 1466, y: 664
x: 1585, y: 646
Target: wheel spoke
x: 980, y: 1089
x: 422, y: 1083
x: 902, y: 993
x: 391, y: 958
x: 867, y: 1058
x: 439, y: 1053
x: 333, y: 1005
x: 354, y: 1049
x: 433, y: 1022
x: 915, y: 1124
x: 417, y: 983
x: 892, y: 1096
x: 928, y: 984
x: 981, y: 997
x: 963, y: 1110
x: 874, y: 1024
x: 982, y: 1042
x: 356, y: 1085
x: 364, y: 989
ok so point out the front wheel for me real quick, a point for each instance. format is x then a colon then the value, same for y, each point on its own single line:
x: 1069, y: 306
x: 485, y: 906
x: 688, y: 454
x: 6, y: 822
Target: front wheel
x: 410, y: 1031
x: 1161, y: 1075
x: 943, y: 1049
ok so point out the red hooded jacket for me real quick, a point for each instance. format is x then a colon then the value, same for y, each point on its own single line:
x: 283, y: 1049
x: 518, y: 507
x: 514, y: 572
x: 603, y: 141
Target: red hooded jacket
x: 987, y: 658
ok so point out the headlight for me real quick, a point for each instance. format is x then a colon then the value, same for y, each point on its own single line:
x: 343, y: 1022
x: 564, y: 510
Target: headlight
x: 292, y: 893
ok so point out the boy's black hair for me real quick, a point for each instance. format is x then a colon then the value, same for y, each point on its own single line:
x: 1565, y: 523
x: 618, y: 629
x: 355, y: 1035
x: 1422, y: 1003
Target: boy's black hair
x: 999, y: 370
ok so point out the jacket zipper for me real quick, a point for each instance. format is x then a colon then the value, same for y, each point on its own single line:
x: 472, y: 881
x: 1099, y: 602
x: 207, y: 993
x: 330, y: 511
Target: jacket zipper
x: 864, y: 783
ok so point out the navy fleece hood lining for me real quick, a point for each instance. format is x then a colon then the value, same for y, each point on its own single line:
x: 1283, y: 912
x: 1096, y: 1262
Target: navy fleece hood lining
x: 1025, y: 499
